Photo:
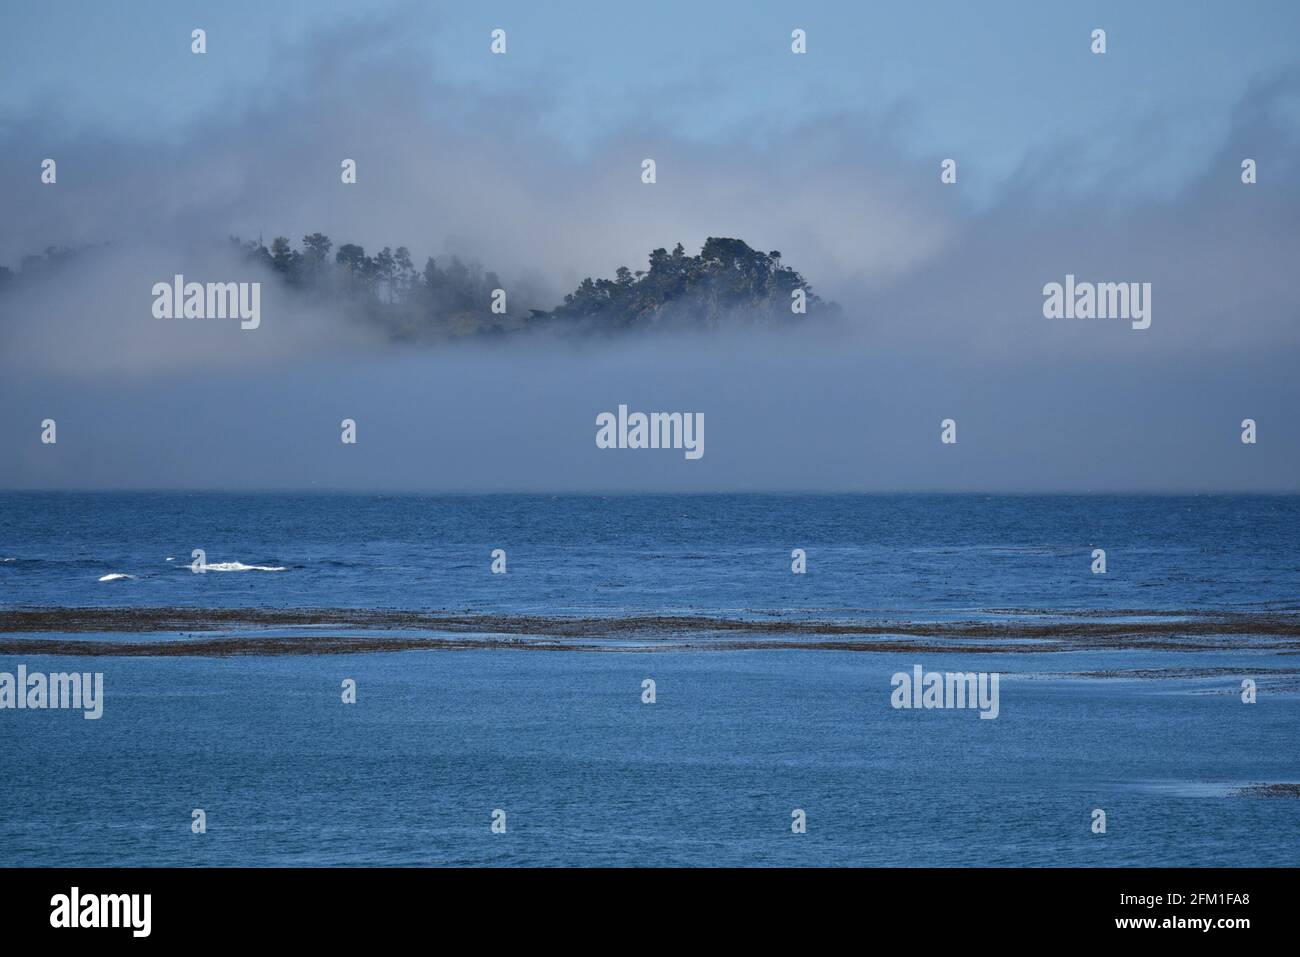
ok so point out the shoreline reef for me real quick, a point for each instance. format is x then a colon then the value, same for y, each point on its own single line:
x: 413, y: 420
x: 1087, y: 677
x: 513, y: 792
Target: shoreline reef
x: 171, y: 631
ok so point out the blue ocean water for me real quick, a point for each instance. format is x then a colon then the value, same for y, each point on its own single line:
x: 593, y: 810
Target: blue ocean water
x: 710, y: 773
x: 920, y: 555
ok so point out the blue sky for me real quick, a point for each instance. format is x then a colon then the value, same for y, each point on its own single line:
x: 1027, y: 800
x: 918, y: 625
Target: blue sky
x: 990, y: 82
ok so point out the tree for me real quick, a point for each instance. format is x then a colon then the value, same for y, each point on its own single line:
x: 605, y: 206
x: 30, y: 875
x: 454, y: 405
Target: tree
x: 728, y: 282
x: 317, y: 247
x: 351, y: 258
x: 385, y: 269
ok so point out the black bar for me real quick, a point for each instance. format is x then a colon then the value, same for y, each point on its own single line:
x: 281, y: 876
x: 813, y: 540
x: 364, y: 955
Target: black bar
x: 338, y: 905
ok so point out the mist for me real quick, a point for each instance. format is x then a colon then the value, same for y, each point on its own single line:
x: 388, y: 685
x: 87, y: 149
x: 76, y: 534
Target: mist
x: 941, y: 298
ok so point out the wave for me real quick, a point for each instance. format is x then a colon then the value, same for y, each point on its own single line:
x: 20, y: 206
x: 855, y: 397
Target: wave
x: 241, y: 567
x: 116, y: 576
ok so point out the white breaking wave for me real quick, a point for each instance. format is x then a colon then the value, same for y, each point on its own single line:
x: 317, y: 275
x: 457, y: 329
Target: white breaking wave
x: 170, y: 558
x: 241, y: 567
x: 116, y: 576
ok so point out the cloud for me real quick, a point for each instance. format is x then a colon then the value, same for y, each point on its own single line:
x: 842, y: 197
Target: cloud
x: 942, y: 296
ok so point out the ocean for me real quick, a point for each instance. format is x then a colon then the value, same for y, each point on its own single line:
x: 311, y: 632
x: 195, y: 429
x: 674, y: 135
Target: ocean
x: 524, y: 693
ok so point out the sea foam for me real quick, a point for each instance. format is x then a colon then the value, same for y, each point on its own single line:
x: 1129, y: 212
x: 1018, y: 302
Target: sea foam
x: 241, y: 567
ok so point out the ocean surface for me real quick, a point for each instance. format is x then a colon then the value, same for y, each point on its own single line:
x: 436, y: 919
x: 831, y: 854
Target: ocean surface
x: 736, y: 740
x: 918, y: 555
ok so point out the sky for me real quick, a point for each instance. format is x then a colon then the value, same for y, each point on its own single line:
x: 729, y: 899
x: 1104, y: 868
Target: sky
x: 1116, y: 167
